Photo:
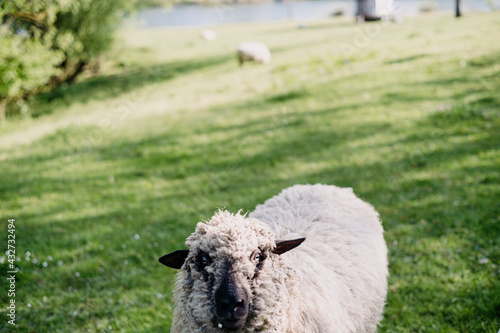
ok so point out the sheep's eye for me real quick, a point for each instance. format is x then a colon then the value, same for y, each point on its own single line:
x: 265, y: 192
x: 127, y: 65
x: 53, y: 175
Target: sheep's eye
x: 204, y: 259
x: 256, y: 256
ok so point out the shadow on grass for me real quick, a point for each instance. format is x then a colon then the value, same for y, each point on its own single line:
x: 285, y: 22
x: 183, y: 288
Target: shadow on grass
x: 406, y: 59
x: 290, y: 95
x: 109, y: 86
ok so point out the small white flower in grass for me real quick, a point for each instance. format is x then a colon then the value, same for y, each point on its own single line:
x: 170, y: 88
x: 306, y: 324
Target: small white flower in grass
x: 124, y: 246
x: 49, y: 258
x: 28, y: 253
x: 484, y: 260
x: 136, y: 236
x: 159, y: 295
x: 28, y: 305
x: 18, y: 258
x: 456, y: 203
x: 125, y: 262
x: 74, y: 313
x: 35, y: 261
x: 45, y: 264
x: 60, y: 263
x: 27, y: 258
x: 77, y: 274
x: 2, y: 260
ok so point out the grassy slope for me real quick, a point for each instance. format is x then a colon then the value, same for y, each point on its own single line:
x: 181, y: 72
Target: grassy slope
x: 120, y: 167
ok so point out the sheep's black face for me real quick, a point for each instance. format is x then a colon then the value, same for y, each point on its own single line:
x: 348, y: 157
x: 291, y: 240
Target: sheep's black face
x: 229, y: 280
x: 226, y: 293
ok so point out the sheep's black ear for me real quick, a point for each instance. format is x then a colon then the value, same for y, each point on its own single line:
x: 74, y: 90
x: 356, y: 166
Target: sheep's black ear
x: 283, y: 246
x: 175, y: 259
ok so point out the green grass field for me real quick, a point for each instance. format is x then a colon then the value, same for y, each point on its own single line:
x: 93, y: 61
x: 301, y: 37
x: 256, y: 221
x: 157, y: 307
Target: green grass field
x: 110, y: 173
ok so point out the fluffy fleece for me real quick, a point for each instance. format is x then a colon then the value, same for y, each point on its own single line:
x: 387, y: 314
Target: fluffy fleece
x: 253, y: 51
x: 335, y: 281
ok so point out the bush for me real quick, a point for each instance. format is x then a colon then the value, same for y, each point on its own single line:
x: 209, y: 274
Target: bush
x: 25, y: 65
x: 46, y: 43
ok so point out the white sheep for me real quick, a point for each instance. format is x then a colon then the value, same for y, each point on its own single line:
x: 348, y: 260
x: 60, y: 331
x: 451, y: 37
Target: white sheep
x: 235, y: 276
x: 209, y: 35
x: 254, y: 51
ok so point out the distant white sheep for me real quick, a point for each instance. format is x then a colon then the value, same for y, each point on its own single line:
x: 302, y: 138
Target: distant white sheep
x: 254, y: 51
x: 208, y: 34
x: 236, y: 276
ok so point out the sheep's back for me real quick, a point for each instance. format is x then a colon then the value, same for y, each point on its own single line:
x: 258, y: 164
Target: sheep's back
x: 249, y: 51
x: 342, y: 265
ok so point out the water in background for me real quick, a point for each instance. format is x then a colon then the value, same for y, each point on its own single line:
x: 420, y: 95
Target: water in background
x: 194, y: 15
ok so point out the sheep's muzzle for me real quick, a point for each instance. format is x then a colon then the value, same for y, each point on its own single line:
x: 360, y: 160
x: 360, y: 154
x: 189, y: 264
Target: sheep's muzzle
x: 231, y: 303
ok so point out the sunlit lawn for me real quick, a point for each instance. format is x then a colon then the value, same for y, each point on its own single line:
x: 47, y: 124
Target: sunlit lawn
x: 116, y: 170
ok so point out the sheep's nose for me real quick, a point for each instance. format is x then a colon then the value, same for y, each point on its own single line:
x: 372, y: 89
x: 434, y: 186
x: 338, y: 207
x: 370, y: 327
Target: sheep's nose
x: 231, y: 304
